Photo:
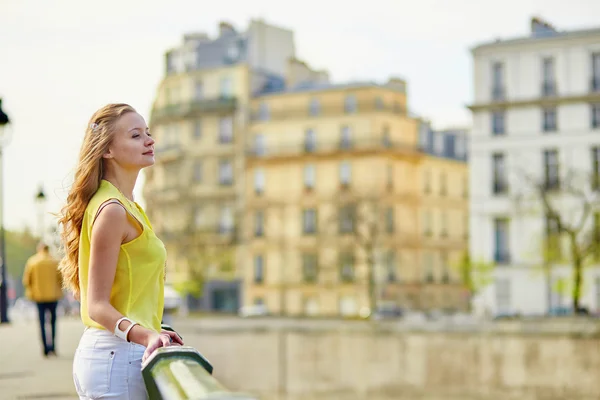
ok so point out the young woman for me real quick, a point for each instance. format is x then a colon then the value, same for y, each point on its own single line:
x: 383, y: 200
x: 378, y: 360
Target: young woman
x: 113, y: 263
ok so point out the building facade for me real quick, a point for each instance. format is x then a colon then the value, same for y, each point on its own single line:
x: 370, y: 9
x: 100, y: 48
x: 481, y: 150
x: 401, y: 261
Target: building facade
x: 349, y: 203
x: 536, y: 119
x: 194, y: 194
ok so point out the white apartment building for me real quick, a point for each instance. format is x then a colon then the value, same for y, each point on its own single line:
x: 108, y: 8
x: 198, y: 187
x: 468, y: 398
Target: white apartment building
x: 536, y: 119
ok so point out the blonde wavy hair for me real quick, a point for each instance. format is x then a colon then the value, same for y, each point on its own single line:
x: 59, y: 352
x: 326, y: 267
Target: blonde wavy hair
x: 99, y: 134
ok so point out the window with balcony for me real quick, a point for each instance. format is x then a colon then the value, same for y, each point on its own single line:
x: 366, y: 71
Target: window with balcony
x: 445, y: 267
x: 500, y: 179
x: 309, y: 221
x: 551, y: 170
x: 549, y: 119
x: 346, y: 260
x: 428, y: 264
x: 443, y: 183
x: 548, y: 77
x: 197, y: 171
x: 259, y: 268
x: 347, y: 219
x: 226, y: 220
x: 595, y: 81
x: 198, y: 90
x: 595, y: 116
x: 345, y: 137
x: 310, y: 140
x: 259, y: 181
x: 444, y: 224
x: 386, y: 138
x: 197, y: 129
x: 350, y: 104
x: 498, y: 123
x: 226, y: 130
x: 501, y: 241
x: 390, y: 266
x: 498, y: 93
x: 595, y: 168
x: 314, y: 108
x: 345, y: 173
x: 310, y: 267
x: 309, y: 176
x: 263, y: 112
x: 259, y: 223
x: 260, y: 148
x: 427, y: 228
x: 226, y: 87
x: 553, y: 239
x: 225, y: 172
x: 389, y: 220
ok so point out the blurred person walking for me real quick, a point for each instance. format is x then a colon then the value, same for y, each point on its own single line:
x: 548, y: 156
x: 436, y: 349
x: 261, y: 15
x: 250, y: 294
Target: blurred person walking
x: 43, y: 285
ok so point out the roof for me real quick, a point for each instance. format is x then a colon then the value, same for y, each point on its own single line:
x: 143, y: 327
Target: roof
x: 322, y: 86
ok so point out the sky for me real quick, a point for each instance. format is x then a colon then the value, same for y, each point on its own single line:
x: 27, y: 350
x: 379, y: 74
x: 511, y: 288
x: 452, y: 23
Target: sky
x: 60, y: 60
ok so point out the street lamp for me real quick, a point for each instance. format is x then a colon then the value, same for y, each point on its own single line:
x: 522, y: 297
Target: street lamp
x: 4, y: 121
x: 40, y: 200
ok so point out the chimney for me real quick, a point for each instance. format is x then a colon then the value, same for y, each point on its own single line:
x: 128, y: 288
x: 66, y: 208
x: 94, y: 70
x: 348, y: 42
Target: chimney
x: 539, y: 27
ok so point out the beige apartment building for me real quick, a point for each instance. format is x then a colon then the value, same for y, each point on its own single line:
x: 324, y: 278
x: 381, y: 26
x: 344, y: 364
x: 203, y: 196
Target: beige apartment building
x: 350, y: 202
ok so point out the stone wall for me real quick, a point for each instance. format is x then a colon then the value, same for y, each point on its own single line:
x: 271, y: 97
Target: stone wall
x: 302, y: 363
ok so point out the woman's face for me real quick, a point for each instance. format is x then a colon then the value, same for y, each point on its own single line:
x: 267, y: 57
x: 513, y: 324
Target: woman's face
x: 132, y: 147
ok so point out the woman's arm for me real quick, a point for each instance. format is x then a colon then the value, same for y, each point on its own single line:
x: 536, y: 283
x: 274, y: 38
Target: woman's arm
x: 108, y: 233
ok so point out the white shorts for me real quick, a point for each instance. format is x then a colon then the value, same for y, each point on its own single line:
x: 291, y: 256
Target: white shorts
x: 107, y: 367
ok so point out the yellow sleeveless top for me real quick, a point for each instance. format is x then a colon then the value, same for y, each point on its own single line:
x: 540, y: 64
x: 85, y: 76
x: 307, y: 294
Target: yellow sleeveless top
x: 138, y: 288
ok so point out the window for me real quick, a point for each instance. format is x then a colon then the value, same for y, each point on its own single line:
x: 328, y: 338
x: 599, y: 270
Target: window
x: 310, y: 140
x: 259, y: 181
x: 427, y: 181
x: 226, y: 220
x: 345, y: 173
x: 428, y: 263
x: 548, y: 85
x: 379, y: 103
x: 390, y: 266
x: 500, y: 183
x: 389, y: 220
x: 345, y: 137
x: 386, y: 140
x: 197, y: 171
x: 314, y: 107
x: 346, y: 267
x: 595, y: 168
x: 390, y: 176
x: 498, y: 81
x: 259, y: 269
x: 595, y: 116
x: 551, y: 170
x: 445, y: 267
x: 350, y: 105
x: 553, y: 242
x: 309, y: 176
x: 226, y: 87
x: 549, y: 119
x: 501, y: 238
x: 443, y: 184
x: 309, y: 267
x: 226, y: 130
x: 198, y: 129
x: 502, y: 286
x: 444, y: 223
x: 498, y: 127
x: 427, y: 223
x: 595, y: 84
x: 263, y: 112
x: 347, y: 216
x: 259, y: 145
x: 198, y: 90
x: 259, y: 223
x: 225, y: 172
x: 309, y: 221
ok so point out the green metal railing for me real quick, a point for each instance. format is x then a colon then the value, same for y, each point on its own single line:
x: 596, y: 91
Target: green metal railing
x: 182, y: 373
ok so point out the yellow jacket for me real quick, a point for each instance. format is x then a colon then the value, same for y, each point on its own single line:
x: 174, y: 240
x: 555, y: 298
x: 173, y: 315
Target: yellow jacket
x: 41, y: 279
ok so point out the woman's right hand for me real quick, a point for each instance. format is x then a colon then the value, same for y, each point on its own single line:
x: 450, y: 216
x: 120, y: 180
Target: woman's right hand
x: 155, y: 341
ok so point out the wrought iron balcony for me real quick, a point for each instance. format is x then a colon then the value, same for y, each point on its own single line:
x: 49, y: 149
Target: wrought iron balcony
x: 194, y: 107
x: 548, y: 89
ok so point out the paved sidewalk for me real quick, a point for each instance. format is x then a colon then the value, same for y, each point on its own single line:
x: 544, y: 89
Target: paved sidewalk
x: 25, y: 373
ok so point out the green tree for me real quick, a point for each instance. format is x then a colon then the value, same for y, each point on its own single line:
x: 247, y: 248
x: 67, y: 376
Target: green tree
x: 475, y: 274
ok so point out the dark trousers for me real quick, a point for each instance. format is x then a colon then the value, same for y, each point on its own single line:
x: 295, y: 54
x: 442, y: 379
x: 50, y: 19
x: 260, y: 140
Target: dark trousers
x: 43, y: 308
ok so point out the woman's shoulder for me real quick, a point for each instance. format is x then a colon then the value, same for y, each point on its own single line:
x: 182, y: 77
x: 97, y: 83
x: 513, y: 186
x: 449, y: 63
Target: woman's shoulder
x: 104, y: 193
